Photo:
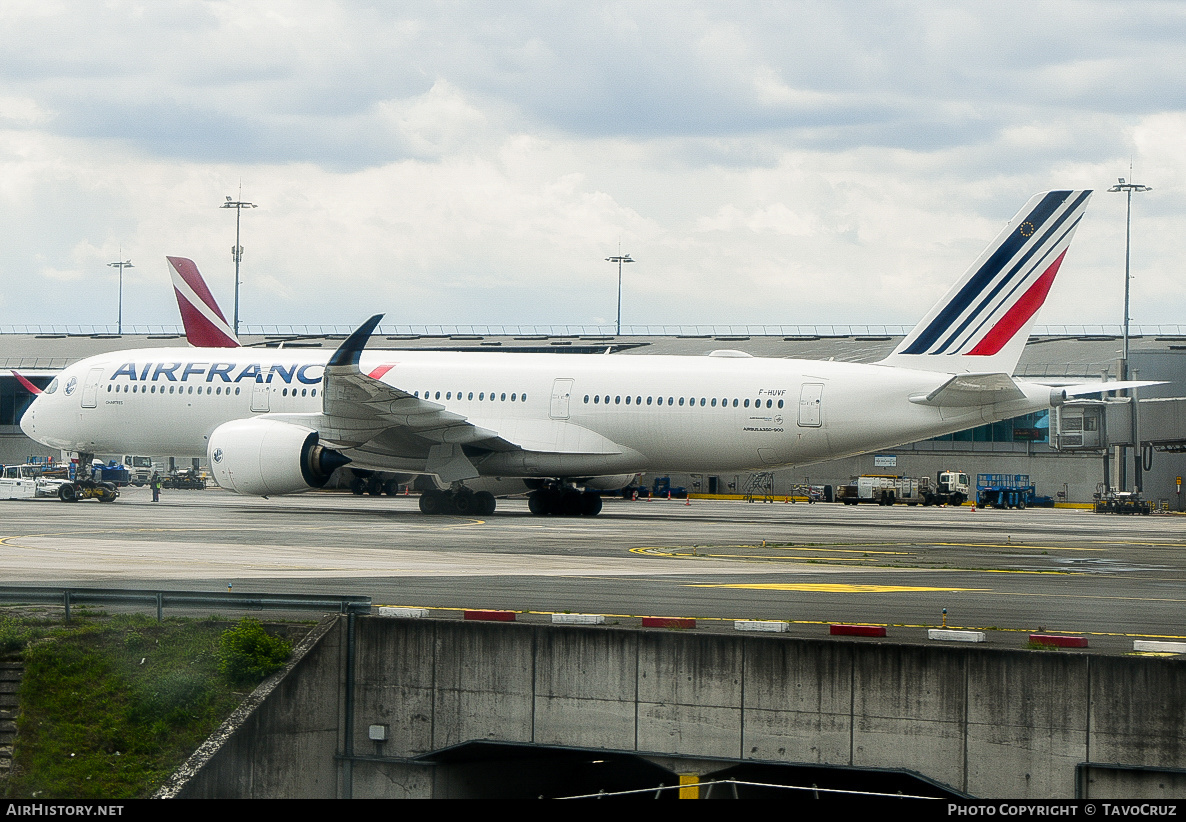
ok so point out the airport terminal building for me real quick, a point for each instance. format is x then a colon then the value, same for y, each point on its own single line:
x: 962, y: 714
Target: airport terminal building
x: 1062, y: 460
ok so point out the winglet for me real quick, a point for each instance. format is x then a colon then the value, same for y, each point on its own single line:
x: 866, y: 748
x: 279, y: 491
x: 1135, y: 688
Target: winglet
x: 30, y: 387
x: 205, y: 327
x: 350, y: 350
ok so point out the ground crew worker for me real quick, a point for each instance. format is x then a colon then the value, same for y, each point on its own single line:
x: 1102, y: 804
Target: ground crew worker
x: 155, y: 482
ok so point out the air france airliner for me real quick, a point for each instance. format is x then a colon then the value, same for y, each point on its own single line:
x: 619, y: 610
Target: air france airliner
x: 275, y: 422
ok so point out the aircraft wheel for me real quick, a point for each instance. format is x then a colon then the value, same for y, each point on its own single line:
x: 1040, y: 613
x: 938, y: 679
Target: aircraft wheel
x: 391, y: 488
x: 592, y: 505
x: 430, y: 503
x: 358, y: 486
x: 537, y: 503
x: 465, y: 503
x: 485, y: 503
x: 571, y: 503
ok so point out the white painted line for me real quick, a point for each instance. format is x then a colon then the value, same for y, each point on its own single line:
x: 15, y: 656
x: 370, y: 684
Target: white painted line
x: 402, y: 613
x: 776, y: 626
x: 1159, y: 645
x: 578, y: 619
x: 947, y: 635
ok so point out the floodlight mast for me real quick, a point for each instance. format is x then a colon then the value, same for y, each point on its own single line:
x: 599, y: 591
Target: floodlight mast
x: 619, y: 259
x: 1128, y: 188
x: 121, y: 264
x: 237, y: 250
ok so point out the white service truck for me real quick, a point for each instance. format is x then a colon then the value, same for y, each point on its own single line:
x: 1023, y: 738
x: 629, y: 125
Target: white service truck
x: 27, y: 482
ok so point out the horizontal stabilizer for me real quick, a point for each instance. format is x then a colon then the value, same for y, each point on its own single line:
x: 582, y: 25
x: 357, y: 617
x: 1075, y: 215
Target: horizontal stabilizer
x: 968, y: 390
x: 1066, y: 392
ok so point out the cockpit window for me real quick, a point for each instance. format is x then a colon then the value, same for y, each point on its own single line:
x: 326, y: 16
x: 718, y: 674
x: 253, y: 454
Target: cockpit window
x: 53, y: 386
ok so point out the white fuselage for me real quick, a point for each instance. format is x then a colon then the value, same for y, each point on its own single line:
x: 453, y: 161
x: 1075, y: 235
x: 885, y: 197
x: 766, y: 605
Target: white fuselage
x: 618, y: 414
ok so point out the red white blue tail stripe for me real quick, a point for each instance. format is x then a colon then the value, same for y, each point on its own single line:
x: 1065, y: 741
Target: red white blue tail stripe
x: 205, y: 327
x: 985, y: 318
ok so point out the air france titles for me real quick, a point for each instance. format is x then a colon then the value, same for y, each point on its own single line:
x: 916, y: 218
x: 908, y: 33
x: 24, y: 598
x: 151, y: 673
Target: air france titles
x: 227, y: 372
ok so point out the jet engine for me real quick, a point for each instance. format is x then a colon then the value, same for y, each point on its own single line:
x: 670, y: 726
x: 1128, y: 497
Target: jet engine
x: 264, y: 456
x: 610, y: 482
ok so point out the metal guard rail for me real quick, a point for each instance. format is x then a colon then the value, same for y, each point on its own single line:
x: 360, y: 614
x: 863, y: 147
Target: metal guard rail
x: 68, y: 597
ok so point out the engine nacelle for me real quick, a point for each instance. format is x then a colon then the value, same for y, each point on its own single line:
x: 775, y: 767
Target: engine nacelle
x: 263, y: 456
x: 612, y: 482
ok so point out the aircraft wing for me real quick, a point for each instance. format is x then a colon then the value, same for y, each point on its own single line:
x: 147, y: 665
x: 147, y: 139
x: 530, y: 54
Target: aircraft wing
x: 363, y: 414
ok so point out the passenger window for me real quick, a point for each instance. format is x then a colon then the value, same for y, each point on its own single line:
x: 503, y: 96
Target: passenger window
x: 681, y: 400
x: 503, y: 397
x: 780, y: 403
x: 627, y: 400
x: 471, y: 395
x: 648, y: 400
x: 747, y: 403
x: 714, y: 402
x: 597, y: 399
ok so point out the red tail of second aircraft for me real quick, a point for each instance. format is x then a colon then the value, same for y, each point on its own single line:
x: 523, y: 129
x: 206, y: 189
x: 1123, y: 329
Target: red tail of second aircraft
x: 205, y: 327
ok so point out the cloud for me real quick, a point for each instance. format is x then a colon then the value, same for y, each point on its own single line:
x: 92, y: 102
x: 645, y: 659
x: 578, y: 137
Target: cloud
x: 475, y: 163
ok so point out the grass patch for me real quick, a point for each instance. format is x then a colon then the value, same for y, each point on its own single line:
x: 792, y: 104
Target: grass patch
x: 110, y: 707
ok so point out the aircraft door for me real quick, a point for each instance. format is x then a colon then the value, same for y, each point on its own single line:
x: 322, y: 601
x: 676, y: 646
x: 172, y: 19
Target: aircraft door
x: 810, y: 405
x: 561, y: 395
x: 90, y: 389
x: 260, y: 397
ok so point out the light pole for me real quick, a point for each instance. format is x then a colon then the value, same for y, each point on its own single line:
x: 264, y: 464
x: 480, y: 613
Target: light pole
x: 1128, y: 188
x: 237, y: 251
x: 619, y: 259
x: 119, y: 323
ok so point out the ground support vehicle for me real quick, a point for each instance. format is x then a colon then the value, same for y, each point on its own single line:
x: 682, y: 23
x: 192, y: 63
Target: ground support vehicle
x: 1122, y: 502
x: 948, y: 488
x: 74, y: 490
x: 1004, y: 490
x: 115, y: 473
x: 29, y: 481
x: 187, y: 480
x: 884, y: 489
x: 141, y: 469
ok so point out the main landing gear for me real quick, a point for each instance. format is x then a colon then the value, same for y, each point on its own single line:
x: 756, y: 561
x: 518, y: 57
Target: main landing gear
x: 564, y: 502
x: 462, y: 501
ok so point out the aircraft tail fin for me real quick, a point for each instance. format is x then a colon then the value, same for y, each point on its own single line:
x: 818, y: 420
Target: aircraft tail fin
x: 982, y: 324
x: 205, y: 327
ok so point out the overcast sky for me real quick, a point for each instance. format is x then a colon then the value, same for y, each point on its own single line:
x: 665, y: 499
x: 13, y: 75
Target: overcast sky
x: 461, y: 163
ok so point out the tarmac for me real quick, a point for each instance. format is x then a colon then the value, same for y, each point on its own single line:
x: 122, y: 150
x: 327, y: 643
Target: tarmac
x: 1007, y: 573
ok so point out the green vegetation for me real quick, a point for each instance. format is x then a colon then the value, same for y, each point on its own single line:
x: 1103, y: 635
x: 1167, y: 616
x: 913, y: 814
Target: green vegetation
x: 110, y: 707
x: 247, y: 653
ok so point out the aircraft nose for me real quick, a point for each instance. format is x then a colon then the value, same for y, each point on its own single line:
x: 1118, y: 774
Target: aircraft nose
x: 27, y: 424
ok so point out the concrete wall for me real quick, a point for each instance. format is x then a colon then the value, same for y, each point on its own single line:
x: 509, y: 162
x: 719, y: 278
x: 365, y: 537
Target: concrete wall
x: 986, y: 722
